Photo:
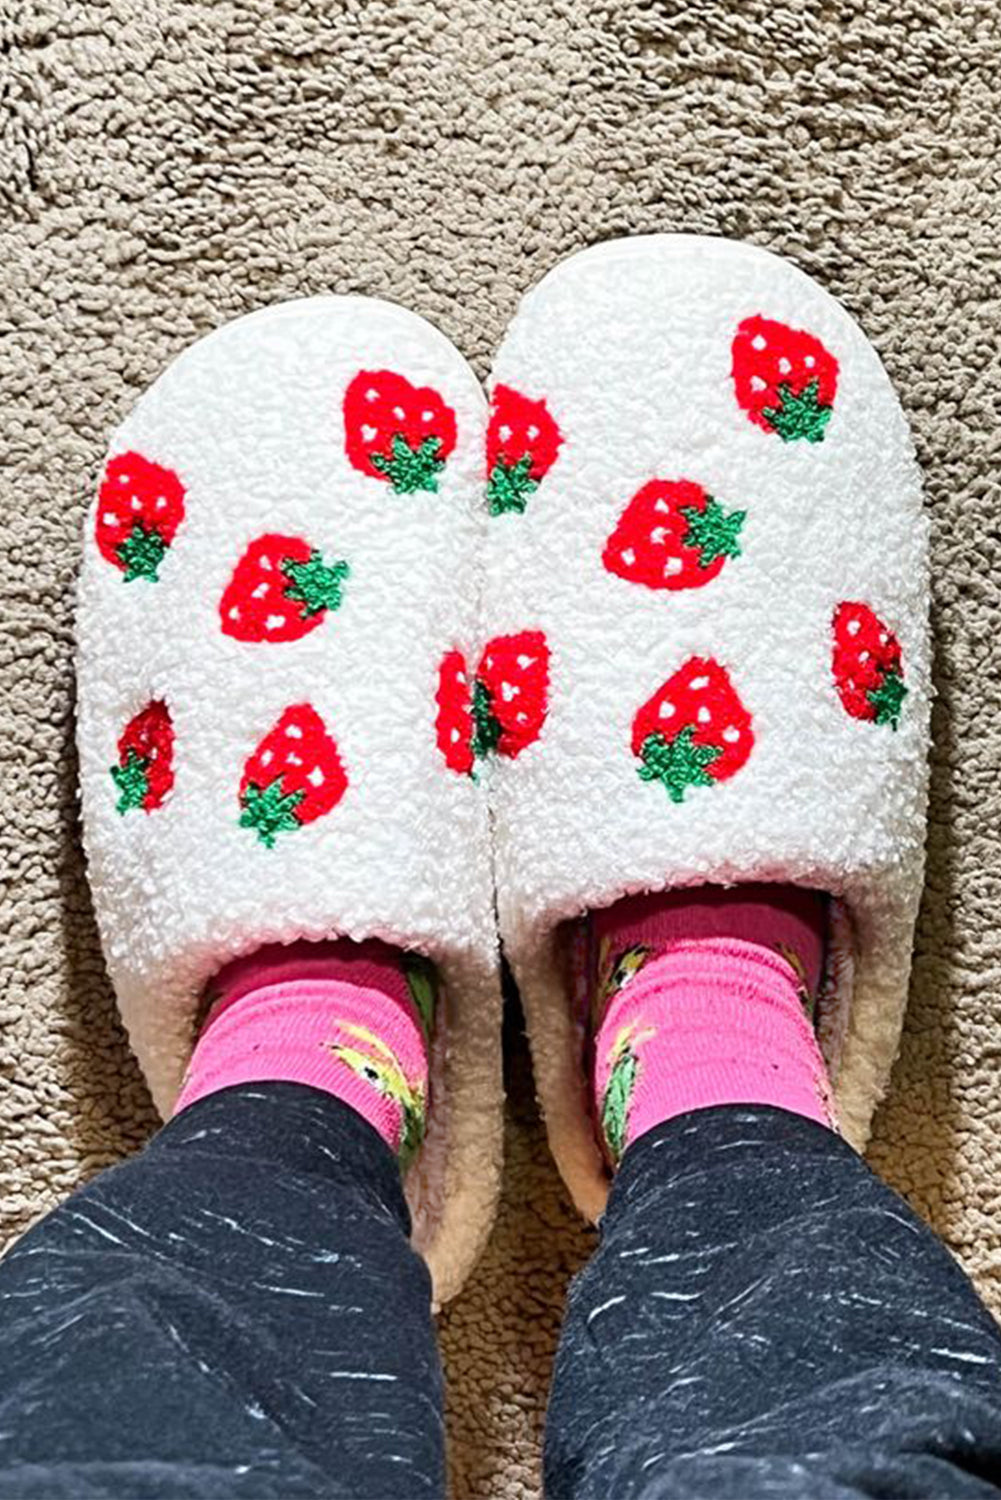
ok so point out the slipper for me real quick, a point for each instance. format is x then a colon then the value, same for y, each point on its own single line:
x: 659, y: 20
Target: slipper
x: 284, y: 546
x: 705, y: 504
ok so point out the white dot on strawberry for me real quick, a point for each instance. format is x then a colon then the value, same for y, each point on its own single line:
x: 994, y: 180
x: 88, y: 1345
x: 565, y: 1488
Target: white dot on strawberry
x: 267, y: 757
x: 109, y: 519
x: 809, y: 361
x: 628, y: 557
x: 260, y: 591
x: 371, y: 394
x: 731, y: 735
x: 863, y: 656
x: 399, y: 413
x: 699, y: 682
x: 315, y: 777
x: 853, y: 627
x: 123, y: 479
x: 785, y: 366
x: 666, y: 710
x: 525, y: 661
x: 533, y: 433
x: 293, y: 759
x: 757, y: 384
x: 504, y: 433
x: 704, y: 716
x: 759, y: 341
x: 509, y: 691
x: 427, y: 416
x: 136, y: 503
x: 672, y: 565
x: 160, y: 503
x: 293, y: 732
x: 369, y: 434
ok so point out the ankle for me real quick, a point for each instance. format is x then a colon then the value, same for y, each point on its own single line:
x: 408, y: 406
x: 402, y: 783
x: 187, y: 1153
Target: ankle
x: 702, y: 999
x: 352, y: 1020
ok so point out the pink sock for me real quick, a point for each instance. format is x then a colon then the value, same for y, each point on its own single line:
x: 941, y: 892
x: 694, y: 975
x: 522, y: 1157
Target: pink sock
x: 352, y: 1019
x: 704, y: 998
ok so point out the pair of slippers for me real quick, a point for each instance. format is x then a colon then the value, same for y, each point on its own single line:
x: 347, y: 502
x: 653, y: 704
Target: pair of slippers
x: 361, y: 655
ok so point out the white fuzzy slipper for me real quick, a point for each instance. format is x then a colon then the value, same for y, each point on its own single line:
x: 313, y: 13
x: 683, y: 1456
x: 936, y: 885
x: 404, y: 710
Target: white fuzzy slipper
x: 706, y: 506
x: 284, y: 547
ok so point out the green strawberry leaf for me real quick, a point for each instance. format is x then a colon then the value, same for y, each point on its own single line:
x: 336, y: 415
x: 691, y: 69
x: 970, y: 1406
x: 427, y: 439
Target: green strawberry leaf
x: 270, y: 811
x: 132, y: 782
x: 410, y: 469
x: 888, y: 699
x: 315, y: 583
x: 510, y: 485
x: 141, y: 553
x: 679, y: 763
x: 615, y: 1105
x: 799, y: 416
x: 713, y: 530
x: 487, y: 730
x: 422, y: 982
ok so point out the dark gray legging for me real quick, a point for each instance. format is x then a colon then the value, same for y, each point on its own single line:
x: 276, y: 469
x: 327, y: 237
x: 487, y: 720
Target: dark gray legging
x: 236, y: 1312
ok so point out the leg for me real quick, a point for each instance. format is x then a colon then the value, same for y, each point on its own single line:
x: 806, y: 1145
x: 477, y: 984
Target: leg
x: 765, y: 1317
x: 235, y: 1311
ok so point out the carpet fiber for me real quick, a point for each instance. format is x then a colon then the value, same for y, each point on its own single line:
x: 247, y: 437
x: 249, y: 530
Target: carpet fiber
x: 167, y: 166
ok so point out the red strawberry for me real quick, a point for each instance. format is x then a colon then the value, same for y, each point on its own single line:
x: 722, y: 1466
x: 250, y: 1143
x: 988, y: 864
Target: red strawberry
x: 293, y: 777
x: 455, y: 720
x: 510, y: 693
x: 784, y: 379
x: 522, y: 444
x: 280, y: 590
x: 145, y: 770
x: 693, y: 731
x: 672, y: 535
x: 397, y: 431
x: 505, y: 708
x: 139, y: 508
x: 868, y: 669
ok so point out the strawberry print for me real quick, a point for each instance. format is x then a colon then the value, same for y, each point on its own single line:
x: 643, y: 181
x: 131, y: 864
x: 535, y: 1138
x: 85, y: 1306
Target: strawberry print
x: 784, y: 379
x: 281, y: 589
x: 139, y: 508
x: 868, y: 667
x: 293, y: 777
x: 144, y: 773
x: 396, y: 431
x: 694, y: 731
x: 672, y: 535
x: 522, y: 444
x: 510, y: 693
x: 504, y: 708
x: 454, y: 724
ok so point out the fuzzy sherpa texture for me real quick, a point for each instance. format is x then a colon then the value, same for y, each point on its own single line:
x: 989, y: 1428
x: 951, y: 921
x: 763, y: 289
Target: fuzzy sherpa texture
x: 631, y: 345
x: 170, y: 167
x: 252, y: 420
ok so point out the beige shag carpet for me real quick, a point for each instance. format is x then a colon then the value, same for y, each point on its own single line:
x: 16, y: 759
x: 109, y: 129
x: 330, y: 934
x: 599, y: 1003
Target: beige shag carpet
x: 169, y: 164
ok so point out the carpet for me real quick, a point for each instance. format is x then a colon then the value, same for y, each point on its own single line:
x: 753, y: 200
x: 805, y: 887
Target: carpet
x: 170, y: 164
